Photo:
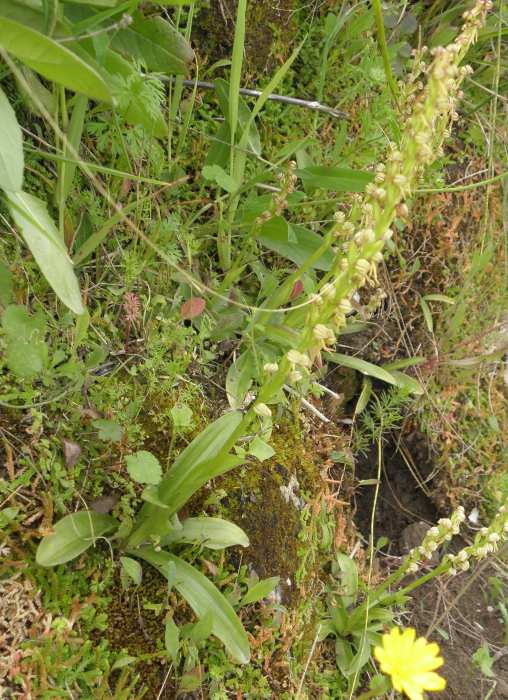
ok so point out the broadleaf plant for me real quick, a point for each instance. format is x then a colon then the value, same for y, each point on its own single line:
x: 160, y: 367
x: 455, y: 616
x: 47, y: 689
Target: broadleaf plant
x: 49, y: 44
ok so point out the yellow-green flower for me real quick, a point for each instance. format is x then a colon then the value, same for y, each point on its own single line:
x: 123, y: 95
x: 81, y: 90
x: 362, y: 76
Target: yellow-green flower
x: 410, y: 662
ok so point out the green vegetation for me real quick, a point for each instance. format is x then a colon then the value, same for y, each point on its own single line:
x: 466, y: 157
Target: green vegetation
x: 235, y: 331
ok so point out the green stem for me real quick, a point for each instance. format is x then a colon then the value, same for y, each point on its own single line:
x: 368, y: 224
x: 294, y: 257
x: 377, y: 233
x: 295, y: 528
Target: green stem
x: 383, y: 47
x: 369, y: 694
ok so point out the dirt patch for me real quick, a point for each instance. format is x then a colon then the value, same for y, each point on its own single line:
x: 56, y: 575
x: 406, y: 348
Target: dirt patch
x: 469, y: 621
x: 403, y: 497
x: 462, y: 614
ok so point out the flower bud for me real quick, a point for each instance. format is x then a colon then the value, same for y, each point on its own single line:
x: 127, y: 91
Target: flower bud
x: 362, y: 267
x: 345, y: 306
x: 323, y: 333
x: 262, y: 410
x: 298, y: 358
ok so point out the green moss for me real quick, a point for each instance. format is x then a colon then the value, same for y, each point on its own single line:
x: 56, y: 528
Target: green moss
x: 254, y: 501
x: 134, y: 626
x: 267, y: 34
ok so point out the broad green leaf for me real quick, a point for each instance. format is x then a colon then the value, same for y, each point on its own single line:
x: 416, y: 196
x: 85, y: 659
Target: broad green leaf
x: 144, y: 467
x: 404, y: 381
x: 19, y: 325
x: 364, y: 397
x: 172, y: 639
x: 219, y: 150
x: 282, y: 335
x: 123, y: 661
x: 260, y: 590
x: 108, y: 430
x: 275, y: 235
x: 156, y: 43
x: 337, y: 179
x: 72, y: 536
x: 349, y: 576
x: 181, y: 416
x: 221, y: 177
x: 11, y: 148
x: 26, y: 352
x: 81, y: 330
x: 203, y: 596
x: 41, y: 236
x: 52, y: 60
x: 202, y: 629
x: 213, y: 533
x: 403, y: 363
x: 36, y: 96
x: 132, y: 568
x: 25, y: 359
x: 151, y: 495
x: 260, y: 449
x: 239, y: 379
x: 197, y: 461
x: 7, y: 515
x: 361, y: 366
x: 361, y: 657
x: 21, y: 12
x: 205, y: 458
x: 484, y: 660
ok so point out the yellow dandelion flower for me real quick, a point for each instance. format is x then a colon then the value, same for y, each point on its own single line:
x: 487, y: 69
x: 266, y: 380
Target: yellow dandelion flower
x: 410, y: 662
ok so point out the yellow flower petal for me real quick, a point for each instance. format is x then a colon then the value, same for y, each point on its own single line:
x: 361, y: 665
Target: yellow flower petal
x: 430, y: 681
x: 410, y: 662
x: 412, y: 690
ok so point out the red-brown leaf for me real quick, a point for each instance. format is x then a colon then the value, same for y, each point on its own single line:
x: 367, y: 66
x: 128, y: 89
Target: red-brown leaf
x: 192, y: 308
x: 297, y: 290
x: 72, y: 452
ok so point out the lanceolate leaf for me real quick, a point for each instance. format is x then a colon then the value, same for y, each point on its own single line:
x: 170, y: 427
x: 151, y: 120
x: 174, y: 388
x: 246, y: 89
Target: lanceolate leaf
x: 205, y: 458
x: 260, y: 590
x: 214, y: 533
x: 297, y: 244
x: 156, y: 43
x: 361, y: 366
x: 404, y: 381
x: 203, y: 597
x: 41, y: 236
x: 239, y: 378
x: 52, y: 60
x: 73, y: 535
x: 11, y: 148
x: 337, y: 179
x: 214, y: 442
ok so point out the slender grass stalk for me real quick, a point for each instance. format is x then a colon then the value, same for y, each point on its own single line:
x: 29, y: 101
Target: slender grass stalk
x: 175, y: 90
x: 383, y: 47
x: 62, y: 166
x: 236, y: 75
x: 174, y: 96
x: 224, y: 238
